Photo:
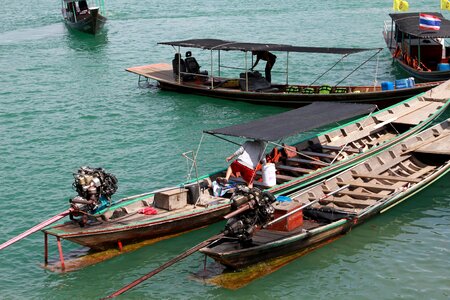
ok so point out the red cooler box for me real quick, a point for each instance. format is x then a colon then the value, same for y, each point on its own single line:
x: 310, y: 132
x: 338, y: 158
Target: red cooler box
x: 290, y: 223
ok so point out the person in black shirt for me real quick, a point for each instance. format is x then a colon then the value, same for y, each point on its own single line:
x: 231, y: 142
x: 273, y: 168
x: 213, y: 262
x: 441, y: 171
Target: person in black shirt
x: 269, y: 58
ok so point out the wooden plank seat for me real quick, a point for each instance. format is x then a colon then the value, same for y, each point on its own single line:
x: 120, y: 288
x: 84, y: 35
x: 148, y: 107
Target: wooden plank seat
x: 308, y: 161
x: 368, y: 185
x: 294, y: 169
x: 318, y: 154
x: 357, y: 194
x: 386, y: 177
x: 337, y: 148
x: 349, y: 202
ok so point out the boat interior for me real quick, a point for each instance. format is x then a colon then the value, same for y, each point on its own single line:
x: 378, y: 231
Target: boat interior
x: 314, y: 155
x: 199, y: 80
x: 411, y: 48
x: 359, y: 190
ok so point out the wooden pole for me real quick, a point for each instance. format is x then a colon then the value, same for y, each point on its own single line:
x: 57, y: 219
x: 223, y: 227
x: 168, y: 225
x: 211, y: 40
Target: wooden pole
x: 35, y: 228
x: 45, y: 248
x: 164, y: 266
x: 61, y: 256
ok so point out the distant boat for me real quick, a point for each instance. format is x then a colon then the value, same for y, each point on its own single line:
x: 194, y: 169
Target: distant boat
x: 184, y: 76
x: 420, y: 53
x: 80, y: 15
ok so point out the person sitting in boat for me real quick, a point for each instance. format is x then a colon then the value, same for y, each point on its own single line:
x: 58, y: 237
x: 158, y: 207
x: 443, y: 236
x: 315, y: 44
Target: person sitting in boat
x: 178, y: 66
x: 192, y: 65
x: 248, y: 158
x: 270, y: 61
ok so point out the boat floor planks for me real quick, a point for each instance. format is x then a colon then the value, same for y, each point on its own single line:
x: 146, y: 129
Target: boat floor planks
x: 349, y: 198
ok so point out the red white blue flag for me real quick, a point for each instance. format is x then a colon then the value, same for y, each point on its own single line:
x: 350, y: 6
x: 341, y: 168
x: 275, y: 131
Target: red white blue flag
x: 429, y: 22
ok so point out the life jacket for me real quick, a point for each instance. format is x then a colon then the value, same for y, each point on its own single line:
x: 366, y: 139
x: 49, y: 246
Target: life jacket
x: 397, y: 52
x: 274, y: 156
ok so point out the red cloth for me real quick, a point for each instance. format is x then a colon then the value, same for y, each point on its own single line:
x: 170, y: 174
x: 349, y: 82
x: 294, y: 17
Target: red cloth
x: 148, y: 211
x: 246, y: 173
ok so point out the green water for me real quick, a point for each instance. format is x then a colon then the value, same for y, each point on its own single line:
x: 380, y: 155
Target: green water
x: 66, y: 101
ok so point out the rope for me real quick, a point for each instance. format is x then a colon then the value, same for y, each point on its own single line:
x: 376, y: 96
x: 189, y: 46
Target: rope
x: 345, y: 55
x: 359, y: 67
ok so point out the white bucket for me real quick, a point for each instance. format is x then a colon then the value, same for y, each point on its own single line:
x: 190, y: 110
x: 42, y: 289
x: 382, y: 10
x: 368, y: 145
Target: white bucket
x: 268, y: 174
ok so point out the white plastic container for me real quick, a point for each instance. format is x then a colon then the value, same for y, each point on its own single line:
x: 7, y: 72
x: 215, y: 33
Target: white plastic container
x: 269, y: 174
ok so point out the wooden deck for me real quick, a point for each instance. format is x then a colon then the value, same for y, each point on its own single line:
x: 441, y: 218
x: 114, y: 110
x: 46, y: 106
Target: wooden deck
x: 159, y: 72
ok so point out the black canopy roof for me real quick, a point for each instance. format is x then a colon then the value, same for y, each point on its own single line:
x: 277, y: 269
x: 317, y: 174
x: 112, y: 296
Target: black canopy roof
x: 293, y: 122
x: 215, y: 44
x: 409, y: 23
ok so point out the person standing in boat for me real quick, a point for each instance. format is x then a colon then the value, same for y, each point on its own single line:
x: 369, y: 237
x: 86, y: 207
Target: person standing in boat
x: 270, y: 61
x: 248, y: 157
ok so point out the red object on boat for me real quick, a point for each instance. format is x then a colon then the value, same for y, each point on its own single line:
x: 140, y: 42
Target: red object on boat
x: 148, y: 211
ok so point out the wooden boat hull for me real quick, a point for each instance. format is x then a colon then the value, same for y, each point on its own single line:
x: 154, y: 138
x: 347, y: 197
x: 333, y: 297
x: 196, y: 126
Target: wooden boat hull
x: 105, y: 238
x: 163, y: 74
x: 372, y: 134
x: 92, y: 24
x: 382, y: 98
x: 231, y: 254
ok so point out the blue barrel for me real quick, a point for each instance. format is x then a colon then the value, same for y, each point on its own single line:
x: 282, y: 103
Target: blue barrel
x: 402, y: 83
x: 443, y: 67
x: 387, y: 85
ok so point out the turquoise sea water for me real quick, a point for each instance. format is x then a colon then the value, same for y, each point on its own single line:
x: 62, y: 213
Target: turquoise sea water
x: 66, y: 101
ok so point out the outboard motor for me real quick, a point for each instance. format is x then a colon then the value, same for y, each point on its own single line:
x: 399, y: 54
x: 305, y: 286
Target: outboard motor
x: 94, y: 188
x: 252, y: 208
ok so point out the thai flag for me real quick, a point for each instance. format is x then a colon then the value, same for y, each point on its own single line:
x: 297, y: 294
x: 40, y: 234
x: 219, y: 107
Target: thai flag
x: 429, y: 22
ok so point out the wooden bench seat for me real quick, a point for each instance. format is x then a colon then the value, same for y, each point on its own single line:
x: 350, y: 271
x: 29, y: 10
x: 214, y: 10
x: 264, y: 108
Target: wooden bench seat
x: 337, y: 148
x: 369, y: 185
x: 308, y: 161
x: 386, y: 177
x: 357, y: 194
x: 349, y: 202
x: 294, y: 169
x: 318, y: 154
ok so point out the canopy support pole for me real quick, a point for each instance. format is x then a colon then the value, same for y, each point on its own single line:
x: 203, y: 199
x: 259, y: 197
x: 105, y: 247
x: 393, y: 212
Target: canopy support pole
x: 418, y: 53
x: 45, y: 248
x: 212, y: 75
x: 246, y: 73
x: 218, y: 63
x: 179, y: 65
x: 287, y: 67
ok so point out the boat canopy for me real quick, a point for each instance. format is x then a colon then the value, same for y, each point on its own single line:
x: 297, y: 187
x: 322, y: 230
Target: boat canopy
x: 409, y: 23
x: 277, y: 127
x: 215, y: 44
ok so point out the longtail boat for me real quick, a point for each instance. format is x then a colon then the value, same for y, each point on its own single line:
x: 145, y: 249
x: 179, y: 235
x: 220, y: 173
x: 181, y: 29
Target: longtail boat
x: 332, y: 208
x: 421, y: 53
x: 193, y: 204
x: 185, y: 76
x: 84, y: 16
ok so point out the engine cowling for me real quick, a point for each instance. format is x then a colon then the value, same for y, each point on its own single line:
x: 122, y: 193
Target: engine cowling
x: 94, y: 187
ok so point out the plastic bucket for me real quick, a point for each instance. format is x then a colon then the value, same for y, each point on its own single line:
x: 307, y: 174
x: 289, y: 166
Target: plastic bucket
x: 268, y: 174
x: 387, y: 85
x: 443, y: 67
x: 402, y: 83
x: 411, y: 82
